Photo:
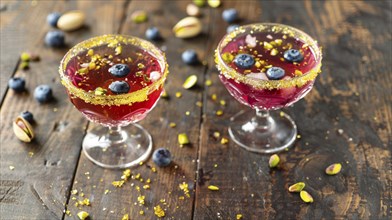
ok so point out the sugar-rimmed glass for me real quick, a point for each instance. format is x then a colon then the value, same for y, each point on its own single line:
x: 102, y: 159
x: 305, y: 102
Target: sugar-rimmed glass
x: 120, y: 142
x: 265, y: 131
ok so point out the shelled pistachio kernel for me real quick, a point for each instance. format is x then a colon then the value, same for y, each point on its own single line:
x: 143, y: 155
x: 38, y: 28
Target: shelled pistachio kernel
x: 158, y: 211
x: 125, y: 217
x: 306, y: 197
x: 199, y: 3
x: 297, y: 187
x: 139, y: 16
x: 333, y: 169
x: 83, y: 215
x: 224, y: 140
x: 100, y: 91
x: 274, y: 161
x: 213, y: 188
x: 190, y: 82
x: 183, y: 139
x: 25, y: 57
x: 214, y: 3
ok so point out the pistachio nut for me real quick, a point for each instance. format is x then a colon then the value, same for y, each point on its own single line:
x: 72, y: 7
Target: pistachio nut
x: 214, y: 3
x: 190, y: 82
x: 297, y: 187
x: 274, y: 161
x: 71, y: 21
x: 306, y: 197
x: 183, y: 139
x: 213, y: 188
x: 187, y: 27
x: 23, y: 129
x: 333, y: 169
x: 139, y: 16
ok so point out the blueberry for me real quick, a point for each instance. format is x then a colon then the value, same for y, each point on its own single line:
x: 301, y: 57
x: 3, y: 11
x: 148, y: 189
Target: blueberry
x: 231, y: 28
x: 275, y: 73
x: 293, y: 55
x: 244, y: 61
x: 119, y: 70
x: 55, y: 38
x: 52, y: 19
x: 230, y: 15
x: 152, y: 33
x: 119, y: 87
x: 43, y: 93
x: 28, y: 116
x: 161, y: 157
x: 17, y: 84
x: 189, y: 57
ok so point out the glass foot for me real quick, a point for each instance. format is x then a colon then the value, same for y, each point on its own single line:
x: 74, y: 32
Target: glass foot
x: 263, y: 132
x: 117, y: 147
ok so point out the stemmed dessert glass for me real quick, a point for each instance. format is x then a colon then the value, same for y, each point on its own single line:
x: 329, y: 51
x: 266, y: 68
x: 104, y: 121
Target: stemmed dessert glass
x: 267, y: 67
x: 115, y: 80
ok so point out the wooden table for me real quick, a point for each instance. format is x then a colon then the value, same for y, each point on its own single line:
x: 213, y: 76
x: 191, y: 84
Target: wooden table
x: 346, y: 118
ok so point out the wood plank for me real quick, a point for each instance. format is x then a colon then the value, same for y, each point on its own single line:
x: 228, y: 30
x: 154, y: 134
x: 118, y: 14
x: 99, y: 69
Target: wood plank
x: 38, y: 187
x: 355, y: 71
x: 165, y: 182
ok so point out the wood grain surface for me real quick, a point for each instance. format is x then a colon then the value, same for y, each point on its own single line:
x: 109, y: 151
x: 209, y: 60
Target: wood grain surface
x: 346, y: 118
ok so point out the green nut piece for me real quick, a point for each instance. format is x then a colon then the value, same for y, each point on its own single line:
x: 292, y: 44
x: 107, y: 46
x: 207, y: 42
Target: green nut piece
x: 333, y: 169
x: 139, y: 16
x: 306, y: 197
x: 297, y: 187
x: 183, y: 139
x: 25, y: 57
x: 83, y: 215
x: 199, y: 3
x: 274, y: 161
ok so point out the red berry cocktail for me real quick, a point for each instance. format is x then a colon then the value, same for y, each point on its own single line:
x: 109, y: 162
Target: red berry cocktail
x: 266, y: 67
x: 115, y: 80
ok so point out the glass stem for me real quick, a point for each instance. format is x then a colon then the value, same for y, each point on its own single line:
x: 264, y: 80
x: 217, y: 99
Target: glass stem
x: 262, y: 119
x: 115, y: 134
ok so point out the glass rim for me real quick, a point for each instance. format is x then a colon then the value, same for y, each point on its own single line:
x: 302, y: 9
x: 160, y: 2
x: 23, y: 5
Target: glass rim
x: 120, y: 99
x: 299, y: 81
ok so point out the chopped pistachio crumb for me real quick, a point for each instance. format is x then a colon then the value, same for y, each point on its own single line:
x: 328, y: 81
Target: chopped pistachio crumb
x: 219, y: 113
x: 214, y: 97
x: 184, y: 187
x: 267, y: 45
x: 83, y: 215
x: 106, y: 191
x: 172, y: 125
x: 146, y: 186
x: 158, y: 211
x: 297, y: 73
x: 222, y: 102
x: 213, y: 188
x: 298, y: 136
x: 140, y: 199
x: 199, y: 104
x: 90, y: 52
x: 238, y: 216
x: 208, y: 82
x: 74, y: 192
x: 164, y: 94
x: 281, y: 114
x: 215, y: 165
x: 125, y: 217
x: 11, y: 167
x: 31, y: 154
x: 118, y: 183
x: 178, y: 94
x: 153, y: 169
x: 274, y: 52
x: 216, y: 134
x: 141, y: 212
x: 68, y: 212
x: 187, y: 113
x: 118, y: 50
x: 183, y: 139
x: 224, y: 140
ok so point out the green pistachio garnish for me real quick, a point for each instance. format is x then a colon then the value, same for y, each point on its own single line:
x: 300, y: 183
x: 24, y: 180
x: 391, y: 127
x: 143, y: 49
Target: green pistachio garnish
x: 183, y: 139
x: 297, y: 187
x: 274, y: 161
x: 306, y: 197
x: 190, y: 82
x: 100, y: 91
x: 333, y: 169
x: 139, y: 16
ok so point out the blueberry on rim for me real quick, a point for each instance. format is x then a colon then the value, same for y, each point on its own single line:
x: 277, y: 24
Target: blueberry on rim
x: 275, y: 73
x: 119, y: 70
x: 119, y: 87
x: 161, y: 157
x: 244, y: 61
x: 293, y: 55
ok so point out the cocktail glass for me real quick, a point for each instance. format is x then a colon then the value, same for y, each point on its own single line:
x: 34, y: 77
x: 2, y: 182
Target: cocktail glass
x: 266, y: 131
x: 84, y: 72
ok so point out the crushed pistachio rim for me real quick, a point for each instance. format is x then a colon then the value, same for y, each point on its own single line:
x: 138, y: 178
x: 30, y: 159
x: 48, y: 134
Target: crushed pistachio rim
x: 298, y: 81
x: 121, y: 99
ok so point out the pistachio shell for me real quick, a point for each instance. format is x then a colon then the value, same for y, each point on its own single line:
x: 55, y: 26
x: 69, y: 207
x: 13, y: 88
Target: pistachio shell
x: 192, y: 10
x: 333, y: 169
x: 297, y: 187
x: 23, y: 129
x: 274, y: 160
x: 187, y: 27
x: 71, y: 21
x: 306, y: 197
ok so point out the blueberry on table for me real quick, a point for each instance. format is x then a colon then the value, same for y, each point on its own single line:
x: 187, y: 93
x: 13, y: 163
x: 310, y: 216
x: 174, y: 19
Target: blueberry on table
x: 231, y: 28
x: 43, y: 93
x: 244, y: 61
x: 230, y: 15
x: 52, y: 19
x: 119, y: 70
x: 119, y: 87
x: 55, y: 39
x: 28, y: 116
x: 293, y: 55
x: 152, y: 33
x: 161, y: 157
x: 275, y: 73
x: 189, y: 57
x: 17, y: 84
